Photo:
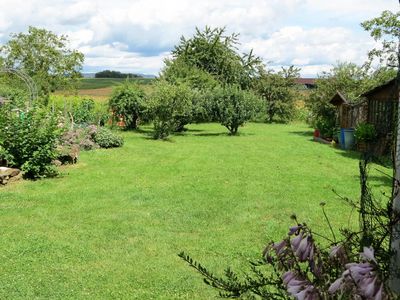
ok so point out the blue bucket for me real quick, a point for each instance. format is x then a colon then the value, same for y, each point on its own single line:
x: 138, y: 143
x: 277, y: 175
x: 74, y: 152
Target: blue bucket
x: 347, y: 135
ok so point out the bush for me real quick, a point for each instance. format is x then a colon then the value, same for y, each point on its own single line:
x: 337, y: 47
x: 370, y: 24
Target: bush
x: 235, y: 107
x: 278, y: 93
x: 88, y: 138
x: 84, y: 111
x: 171, y: 108
x: 28, y: 141
x: 365, y: 132
x: 81, y: 137
x: 128, y: 101
x: 105, y: 138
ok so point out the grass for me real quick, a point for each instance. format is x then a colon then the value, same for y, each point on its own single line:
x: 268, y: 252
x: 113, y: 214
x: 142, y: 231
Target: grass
x: 112, y: 225
x: 97, y: 83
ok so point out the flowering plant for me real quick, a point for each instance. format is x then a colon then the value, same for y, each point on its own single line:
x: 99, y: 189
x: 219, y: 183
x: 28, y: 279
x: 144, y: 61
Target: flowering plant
x: 355, y: 267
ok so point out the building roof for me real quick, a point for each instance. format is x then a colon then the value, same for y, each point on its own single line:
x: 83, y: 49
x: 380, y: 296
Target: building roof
x: 310, y: 81
x: 380, y: 87
x: 338, y: 99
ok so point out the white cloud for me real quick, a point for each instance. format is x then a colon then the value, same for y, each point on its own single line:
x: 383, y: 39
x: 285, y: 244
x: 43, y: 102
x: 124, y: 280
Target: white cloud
x: 315, y: 47
x: 141, y: 31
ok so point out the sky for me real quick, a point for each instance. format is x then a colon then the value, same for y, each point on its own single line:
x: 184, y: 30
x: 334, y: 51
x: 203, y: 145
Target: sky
x: 137, y: 35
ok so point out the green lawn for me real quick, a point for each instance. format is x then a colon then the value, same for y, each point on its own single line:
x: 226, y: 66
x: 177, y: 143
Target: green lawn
x: 112, y: 225
x: 97, y: 83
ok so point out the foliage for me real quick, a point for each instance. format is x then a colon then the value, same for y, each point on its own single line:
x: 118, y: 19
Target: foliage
x: 235, y: 106
x: 90, y: 137
x: 352, y: 81
x: 385, y: 28
x: 28, y: 140
x: 277, y: 91
x: 128, y: 101
x: 114, y: 74
x: 14, y: 93
x: 179, y: 71
x: 300, y: 267
x: 211, y: 51
x: 45, y: 57
x: 81, y: 137
x: 79, y: 110
x: 105, y: 138
x: 365, y: 132
x: 170, y: 107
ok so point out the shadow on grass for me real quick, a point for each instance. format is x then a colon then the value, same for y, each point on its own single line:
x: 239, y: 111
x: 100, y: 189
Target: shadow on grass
x: 302, y: 133
x: 150, y: 137
x: 349, y: 154
x: 212, y: 134
x: 379, y: 180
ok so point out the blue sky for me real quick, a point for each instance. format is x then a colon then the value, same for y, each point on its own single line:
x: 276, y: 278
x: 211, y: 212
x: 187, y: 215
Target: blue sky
x: 136, y: 35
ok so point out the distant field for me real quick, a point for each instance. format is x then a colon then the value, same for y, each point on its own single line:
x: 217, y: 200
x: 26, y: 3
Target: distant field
x: 101, y: 88
x: 97, y: 83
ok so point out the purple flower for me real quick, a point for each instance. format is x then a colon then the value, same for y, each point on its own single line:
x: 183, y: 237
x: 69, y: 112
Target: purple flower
x: 361, y: 277
x: 299, y: 288
x: 303, y: 247
x: 368, y: 254
x: 279, y: 247
x: 336, y: 285
x: 294, y: 229
x: 295, y: 242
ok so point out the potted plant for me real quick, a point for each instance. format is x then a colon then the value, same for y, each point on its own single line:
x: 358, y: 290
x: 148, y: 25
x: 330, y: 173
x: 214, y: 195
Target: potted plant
x: 364, y: 134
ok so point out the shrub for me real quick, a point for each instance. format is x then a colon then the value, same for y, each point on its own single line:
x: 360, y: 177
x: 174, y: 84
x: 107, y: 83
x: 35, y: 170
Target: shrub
x: 278, y: 93
x: 128, y: 101
x: 88, y: 138
x: 84, y: 111
x: 365, y: 132
x: 105, y: 138
x: 171, y: 108
x: 235, y: 106
x: 82, y: 137
x: 28, y: 141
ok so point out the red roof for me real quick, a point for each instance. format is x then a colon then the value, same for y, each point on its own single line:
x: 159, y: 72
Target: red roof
x: 310, y: 81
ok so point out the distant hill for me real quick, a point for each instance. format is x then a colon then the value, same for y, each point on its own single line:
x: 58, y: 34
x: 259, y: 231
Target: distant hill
x: 139, y: 75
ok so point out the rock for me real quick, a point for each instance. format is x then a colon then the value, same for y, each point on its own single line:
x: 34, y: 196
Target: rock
x: 9, y: 174
x: 15, y: 178
x: 9, y: 171
x: 56, y: 162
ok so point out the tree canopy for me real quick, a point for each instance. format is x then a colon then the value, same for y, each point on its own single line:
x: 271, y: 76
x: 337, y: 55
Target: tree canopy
x: 214, y: 52
x: 44, y: 56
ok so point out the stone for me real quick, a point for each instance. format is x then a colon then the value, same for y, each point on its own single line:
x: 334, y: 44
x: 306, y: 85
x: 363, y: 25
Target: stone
x: 9, y: 174
x: 56, y: 162
x: 15, y: 178
x: 9, y: 171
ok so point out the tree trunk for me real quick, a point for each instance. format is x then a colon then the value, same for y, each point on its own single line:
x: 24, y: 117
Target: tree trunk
x: 394, y: 281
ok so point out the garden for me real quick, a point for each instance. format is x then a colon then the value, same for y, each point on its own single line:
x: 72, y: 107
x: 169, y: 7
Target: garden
x: 204, y: 168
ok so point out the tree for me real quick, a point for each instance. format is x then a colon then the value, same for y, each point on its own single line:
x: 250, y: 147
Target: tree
x: 128, y: 101
x: 214, y: 52
x: 170, y: 107
x: 235, y: 106
x: 386, y: 28
x: 114, y: 74
x: 45, y: 57
x: 277, y: 91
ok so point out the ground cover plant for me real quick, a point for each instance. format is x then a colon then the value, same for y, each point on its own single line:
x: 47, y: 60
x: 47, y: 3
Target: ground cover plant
x: 119, y: 217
